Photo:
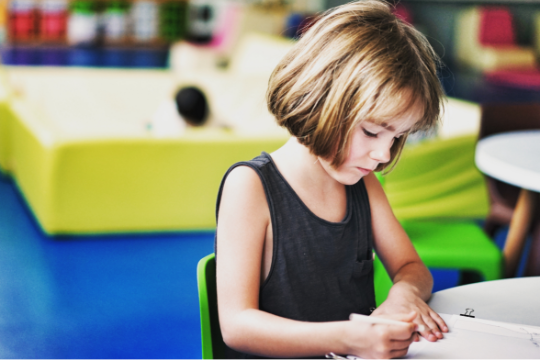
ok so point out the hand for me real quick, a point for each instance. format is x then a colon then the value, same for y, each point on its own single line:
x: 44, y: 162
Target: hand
x: 382, y: 341
x: 400, y: 301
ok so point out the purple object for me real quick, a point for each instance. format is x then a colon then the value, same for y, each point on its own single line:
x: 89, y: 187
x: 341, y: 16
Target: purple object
x: 53, y: 56
x: 19, y: 55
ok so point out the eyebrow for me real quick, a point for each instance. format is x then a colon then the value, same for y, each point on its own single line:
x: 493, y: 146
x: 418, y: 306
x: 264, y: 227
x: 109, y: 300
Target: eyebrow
x: 391, y: 128
x: 387, y: 126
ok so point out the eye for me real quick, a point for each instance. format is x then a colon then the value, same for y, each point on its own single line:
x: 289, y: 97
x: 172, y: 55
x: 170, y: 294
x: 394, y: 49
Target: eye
x: 369, y: 134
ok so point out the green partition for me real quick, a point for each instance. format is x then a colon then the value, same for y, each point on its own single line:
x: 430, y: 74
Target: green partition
x: 438, y: 179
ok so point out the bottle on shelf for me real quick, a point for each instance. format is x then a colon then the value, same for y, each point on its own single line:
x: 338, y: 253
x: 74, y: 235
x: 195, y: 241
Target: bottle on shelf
x: 22, y: 21
x: 144, y: 21
x: 115, y: 22
x: 83, y: 23
x: 53, y: 21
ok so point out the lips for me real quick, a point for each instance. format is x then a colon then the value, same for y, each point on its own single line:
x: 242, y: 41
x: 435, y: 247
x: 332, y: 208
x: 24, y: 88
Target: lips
x: 364, y: 171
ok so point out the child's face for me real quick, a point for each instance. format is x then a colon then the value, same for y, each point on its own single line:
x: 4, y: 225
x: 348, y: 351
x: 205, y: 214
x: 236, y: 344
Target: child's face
x: 370, y: 146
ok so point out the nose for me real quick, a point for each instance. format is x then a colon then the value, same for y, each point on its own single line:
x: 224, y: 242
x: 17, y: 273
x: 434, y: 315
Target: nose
x: 380, y: 154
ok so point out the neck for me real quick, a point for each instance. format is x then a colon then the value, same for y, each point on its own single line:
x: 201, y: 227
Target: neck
x: 295, y: 160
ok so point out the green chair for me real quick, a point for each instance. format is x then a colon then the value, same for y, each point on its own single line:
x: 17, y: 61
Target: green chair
x: 446, y: 244
x: 213, y: 346
x: 436, y: 193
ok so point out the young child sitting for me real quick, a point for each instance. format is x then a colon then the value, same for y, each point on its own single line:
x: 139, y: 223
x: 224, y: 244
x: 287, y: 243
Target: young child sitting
x: 297, y: 228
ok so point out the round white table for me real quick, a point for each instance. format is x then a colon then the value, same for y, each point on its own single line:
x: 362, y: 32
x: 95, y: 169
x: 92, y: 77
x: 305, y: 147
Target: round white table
x: 510, y: 300
x: 514, y: 157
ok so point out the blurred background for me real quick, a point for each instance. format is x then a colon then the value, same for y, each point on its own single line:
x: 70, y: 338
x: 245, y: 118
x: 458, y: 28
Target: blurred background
x: 118, y: 120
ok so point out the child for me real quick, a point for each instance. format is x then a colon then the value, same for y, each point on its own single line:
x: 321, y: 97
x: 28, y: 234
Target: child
x: 296, y: 228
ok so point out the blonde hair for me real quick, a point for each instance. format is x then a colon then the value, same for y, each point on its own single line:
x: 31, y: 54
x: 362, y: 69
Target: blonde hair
x: 357, y: 62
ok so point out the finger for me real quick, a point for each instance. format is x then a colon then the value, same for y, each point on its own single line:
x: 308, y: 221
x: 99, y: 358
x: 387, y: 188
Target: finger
x: 398, y: 353
x: 431, y: 332
x: 433, y: 326
x: 406, y: 317
x: 429, y: 335
x: 439, y: 320
x: 401, y: 332
x: 401, y: 344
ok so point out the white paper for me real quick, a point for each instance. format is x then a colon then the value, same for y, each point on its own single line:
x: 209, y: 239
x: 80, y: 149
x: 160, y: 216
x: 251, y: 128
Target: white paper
x: 500, y: 328
x: 473, y: 338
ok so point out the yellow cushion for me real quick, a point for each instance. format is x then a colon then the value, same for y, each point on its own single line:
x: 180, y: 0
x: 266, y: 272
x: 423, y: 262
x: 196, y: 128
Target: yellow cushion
x: 80, y: 152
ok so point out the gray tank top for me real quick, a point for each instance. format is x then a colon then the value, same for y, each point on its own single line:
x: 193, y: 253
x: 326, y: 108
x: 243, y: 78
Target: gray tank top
x: 321, y: 270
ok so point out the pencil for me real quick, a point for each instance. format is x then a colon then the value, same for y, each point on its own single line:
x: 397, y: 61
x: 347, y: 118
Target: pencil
x: 376, y: 320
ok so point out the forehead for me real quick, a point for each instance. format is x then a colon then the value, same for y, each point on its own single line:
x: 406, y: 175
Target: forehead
x: 398, y: 114
x: 398, y: 121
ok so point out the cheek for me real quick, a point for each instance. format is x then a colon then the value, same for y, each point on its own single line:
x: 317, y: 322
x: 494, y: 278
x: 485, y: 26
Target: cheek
x: 358, y: 147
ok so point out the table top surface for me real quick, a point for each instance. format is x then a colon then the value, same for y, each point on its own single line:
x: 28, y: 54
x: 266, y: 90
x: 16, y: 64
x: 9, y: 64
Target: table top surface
x: 512, y: 157
x: 509, y: 300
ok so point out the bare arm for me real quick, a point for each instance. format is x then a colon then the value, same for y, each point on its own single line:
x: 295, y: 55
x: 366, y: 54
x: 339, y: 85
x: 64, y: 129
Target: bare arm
x: 412, y: 280
x: 243, y: 222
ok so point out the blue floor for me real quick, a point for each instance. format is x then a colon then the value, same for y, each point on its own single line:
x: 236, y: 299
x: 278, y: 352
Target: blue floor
x: 95, y: 297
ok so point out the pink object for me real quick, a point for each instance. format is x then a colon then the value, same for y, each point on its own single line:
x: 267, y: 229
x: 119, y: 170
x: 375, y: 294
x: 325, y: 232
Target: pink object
x: 226, y: 28
x: 402, y: 12
x: 526, y: 79
x: 496, y: 27
x: 22, y: 25
x: 53, y: 26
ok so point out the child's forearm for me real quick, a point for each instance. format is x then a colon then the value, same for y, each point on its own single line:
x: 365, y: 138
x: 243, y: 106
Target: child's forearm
x: 413, y: 278
x: 260, y: 333
x: 280, y: 337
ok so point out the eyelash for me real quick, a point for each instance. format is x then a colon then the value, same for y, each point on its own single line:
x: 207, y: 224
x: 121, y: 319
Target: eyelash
x: 372, y: 135
x: 369, y: 134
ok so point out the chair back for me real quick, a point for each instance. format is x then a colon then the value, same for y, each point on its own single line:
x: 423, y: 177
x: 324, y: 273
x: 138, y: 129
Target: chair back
x: 496, y: 27
x: 213, y: 346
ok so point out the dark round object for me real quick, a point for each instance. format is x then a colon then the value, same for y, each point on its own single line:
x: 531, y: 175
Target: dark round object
x: 192, y: 105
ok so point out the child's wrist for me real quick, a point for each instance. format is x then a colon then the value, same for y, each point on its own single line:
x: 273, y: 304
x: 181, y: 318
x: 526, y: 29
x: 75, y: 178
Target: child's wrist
x: 404, y: 290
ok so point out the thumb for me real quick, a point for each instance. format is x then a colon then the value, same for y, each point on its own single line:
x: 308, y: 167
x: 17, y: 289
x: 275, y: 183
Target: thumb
x: 407, y: 317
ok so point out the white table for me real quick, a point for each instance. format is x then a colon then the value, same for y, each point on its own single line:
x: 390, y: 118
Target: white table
x: 514, y: 157
x: 510, y: 300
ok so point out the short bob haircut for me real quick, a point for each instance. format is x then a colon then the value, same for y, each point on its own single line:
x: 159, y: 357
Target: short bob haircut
x: 357, y: 62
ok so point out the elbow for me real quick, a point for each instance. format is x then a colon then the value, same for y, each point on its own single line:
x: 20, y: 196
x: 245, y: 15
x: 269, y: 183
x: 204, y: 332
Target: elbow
x: 240, y: 333
x: 229, y: 337
x: 232, y: 335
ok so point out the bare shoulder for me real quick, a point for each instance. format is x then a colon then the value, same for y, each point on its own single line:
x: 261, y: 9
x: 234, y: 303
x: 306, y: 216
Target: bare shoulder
x: 244, y: 184
x: 243, y: 201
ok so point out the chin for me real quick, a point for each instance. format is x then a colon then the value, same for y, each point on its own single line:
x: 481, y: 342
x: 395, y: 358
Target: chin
x: 349, y: 180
